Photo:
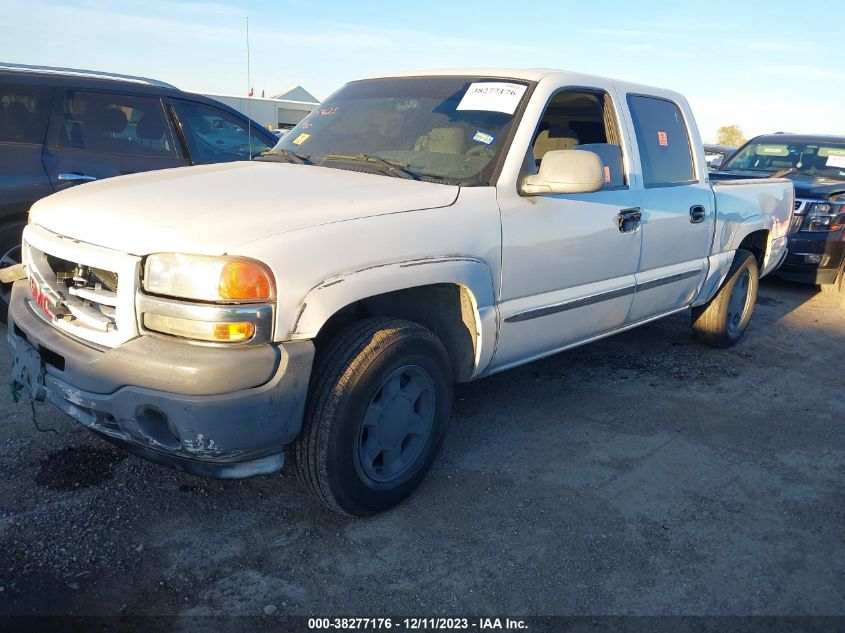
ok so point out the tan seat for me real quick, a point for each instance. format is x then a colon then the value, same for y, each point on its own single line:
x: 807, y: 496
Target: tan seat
x: 444, y: 140
x: 554, y: 139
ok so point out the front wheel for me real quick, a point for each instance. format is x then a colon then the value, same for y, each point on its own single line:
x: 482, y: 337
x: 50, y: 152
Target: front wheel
x: 377, y: 413
x: 722, y: 321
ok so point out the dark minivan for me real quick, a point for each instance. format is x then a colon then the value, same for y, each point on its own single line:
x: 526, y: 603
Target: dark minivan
x: 60, y: 127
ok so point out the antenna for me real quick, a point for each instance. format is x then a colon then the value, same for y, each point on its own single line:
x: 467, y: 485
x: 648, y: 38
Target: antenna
x: 248, y: 94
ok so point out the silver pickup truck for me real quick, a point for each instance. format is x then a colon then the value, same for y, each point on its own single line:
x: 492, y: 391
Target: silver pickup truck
x: 415, y: 230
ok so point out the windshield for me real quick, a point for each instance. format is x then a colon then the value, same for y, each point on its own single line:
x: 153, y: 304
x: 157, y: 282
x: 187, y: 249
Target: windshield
x: 442, y: 129
x: 811, y: 159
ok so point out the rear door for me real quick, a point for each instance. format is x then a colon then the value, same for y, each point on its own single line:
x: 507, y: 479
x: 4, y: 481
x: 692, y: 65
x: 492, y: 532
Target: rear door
x: 97, y: 135
x: 24, y: 114
x: 677, y: 207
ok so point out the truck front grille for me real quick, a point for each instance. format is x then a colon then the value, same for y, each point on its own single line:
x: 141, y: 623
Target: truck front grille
x: 84, y: 290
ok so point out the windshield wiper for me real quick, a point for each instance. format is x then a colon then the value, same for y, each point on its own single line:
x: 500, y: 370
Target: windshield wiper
x: 783, y: 172
x: 277, y: 155
x: 399, y: 169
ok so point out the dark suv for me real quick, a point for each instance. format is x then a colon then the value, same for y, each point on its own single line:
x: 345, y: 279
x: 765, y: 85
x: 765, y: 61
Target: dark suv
x: 61, y: 127
x: 816, y: 166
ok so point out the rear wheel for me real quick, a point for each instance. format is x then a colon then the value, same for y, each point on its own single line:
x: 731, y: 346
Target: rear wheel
x: 377, y: 413
x: 10, y: 254
x: 722, y: 321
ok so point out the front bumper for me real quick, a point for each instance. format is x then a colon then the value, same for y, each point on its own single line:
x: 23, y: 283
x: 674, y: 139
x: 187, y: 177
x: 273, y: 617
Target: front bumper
x: 210, y: 411
x: 829, y: 247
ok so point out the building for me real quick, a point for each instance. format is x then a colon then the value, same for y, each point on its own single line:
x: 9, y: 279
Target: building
x: 280, y: 112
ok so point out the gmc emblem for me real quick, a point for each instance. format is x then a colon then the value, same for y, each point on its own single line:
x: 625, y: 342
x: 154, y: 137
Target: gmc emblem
x: 46, y: 303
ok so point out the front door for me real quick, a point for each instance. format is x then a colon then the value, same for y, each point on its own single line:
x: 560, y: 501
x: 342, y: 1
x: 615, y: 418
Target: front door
x: 568, y: 262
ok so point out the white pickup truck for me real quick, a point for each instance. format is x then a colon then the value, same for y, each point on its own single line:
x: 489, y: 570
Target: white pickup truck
x: 415, y: 230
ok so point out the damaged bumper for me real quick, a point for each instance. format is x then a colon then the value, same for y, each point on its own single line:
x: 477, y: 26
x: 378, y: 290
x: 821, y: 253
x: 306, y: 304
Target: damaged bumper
x: 210, y: 411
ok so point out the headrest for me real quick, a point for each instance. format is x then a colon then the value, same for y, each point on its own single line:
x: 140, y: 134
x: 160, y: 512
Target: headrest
x: 114, y: 120
x: 150, y: 127
x: 554, y: 139
x: 446, y: 140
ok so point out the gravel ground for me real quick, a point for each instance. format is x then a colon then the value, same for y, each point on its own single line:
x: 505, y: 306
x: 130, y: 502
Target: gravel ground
x: 642, y: 474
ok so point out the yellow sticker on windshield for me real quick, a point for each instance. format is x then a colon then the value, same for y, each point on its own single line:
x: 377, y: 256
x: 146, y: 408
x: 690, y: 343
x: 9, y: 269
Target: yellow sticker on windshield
x: 299, y: 140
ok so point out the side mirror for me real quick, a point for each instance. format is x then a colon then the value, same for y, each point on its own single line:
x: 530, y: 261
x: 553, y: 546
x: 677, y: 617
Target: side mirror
x: 566, y: 171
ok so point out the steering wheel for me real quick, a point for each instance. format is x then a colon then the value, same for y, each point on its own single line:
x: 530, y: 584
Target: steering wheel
x: 479, y: 151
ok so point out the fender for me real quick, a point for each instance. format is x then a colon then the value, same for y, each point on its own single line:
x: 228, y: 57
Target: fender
x: 470, y: 273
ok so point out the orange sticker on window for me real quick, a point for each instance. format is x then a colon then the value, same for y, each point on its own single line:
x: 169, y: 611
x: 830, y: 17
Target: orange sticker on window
x: 663, y: 138
x: 606, y: 173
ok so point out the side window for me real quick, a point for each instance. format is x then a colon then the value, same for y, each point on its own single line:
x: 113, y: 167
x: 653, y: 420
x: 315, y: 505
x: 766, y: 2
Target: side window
x: 585, y: 120
x: 24, y: 113
x: 663, y: 140
x: 115, y: 123
x: 216, y: 136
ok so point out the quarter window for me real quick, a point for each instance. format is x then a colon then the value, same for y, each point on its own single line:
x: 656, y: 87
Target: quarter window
x: 24, y: 112
x: 663, y: 141
x: 115, y: 123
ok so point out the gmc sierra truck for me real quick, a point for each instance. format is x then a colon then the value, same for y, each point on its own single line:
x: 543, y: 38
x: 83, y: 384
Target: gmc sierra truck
x: 416, y: 230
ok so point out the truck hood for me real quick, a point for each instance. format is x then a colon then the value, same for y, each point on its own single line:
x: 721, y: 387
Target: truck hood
x: 813, y: 187
x: 213, y: 209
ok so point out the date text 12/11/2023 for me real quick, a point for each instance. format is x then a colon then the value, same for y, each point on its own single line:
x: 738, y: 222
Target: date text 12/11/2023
x: 417, y: 624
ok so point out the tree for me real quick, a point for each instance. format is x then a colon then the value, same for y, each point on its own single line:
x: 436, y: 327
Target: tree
x: 731, y: 135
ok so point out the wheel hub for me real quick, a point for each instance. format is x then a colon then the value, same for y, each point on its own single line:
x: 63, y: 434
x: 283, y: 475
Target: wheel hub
x: 397, y: 424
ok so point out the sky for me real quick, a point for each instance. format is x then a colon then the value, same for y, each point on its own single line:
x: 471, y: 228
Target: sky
x: 765, y: 66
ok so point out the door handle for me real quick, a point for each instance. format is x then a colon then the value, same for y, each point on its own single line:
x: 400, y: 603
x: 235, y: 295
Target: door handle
x: 629, y: 220
x: 75, y: 177
x: 697, y: 214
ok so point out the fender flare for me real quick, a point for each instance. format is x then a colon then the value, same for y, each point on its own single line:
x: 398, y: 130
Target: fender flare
x: 471, y: 274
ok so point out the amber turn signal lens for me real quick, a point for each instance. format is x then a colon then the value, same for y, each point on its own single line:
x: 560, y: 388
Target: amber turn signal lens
x: 233, y: 331
x: 245, y: 281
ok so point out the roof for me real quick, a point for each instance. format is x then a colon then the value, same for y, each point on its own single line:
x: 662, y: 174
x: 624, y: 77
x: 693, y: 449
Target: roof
x: 81, y: 72
x: 530, y: 74
x: 295, y: 93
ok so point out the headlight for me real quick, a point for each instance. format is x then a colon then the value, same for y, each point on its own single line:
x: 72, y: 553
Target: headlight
x: 203, y: 278
x: 822, y: 216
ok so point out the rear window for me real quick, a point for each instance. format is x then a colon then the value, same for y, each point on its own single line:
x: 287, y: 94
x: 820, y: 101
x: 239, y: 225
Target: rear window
x: 116, y: 123
x: 663, y: 141
x: 24, y: 113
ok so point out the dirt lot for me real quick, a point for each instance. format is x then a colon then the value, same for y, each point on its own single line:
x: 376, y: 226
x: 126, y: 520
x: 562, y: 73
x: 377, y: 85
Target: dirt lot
x: 640, y: 475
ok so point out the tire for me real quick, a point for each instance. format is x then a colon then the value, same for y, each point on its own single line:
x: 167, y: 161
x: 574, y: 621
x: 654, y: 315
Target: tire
x: 10, y: 253
x: 722, y: 321
x: 377, y: 412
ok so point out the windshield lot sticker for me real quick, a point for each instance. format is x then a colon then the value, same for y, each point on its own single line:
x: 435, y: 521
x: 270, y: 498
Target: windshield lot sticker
x: 299, y: 140
x: 663, y: 138
x: 836, y: 161
x: 483, y: 137
x: 492, y: 96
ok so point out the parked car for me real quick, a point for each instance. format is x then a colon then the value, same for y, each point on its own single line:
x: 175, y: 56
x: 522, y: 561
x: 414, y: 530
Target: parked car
x: 715, y: 155
x: 215, y: 326
x: 62, y: 127
x: 816, y: 166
